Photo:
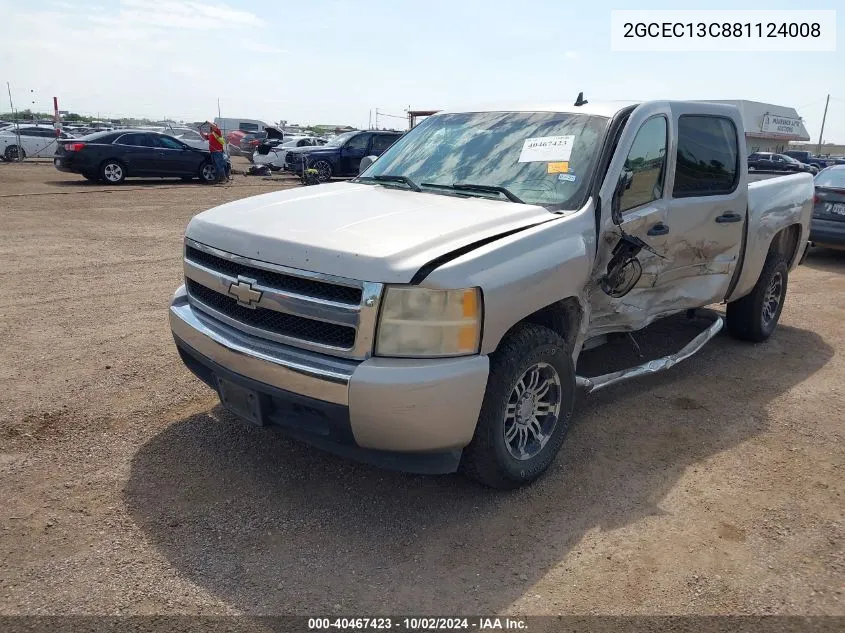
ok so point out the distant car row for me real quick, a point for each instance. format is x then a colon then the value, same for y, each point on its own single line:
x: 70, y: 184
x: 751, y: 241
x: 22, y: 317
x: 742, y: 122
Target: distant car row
x: 792, y: 161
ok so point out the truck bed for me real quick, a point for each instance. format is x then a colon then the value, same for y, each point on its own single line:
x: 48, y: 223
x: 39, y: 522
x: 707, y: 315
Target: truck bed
x: 775, y: 201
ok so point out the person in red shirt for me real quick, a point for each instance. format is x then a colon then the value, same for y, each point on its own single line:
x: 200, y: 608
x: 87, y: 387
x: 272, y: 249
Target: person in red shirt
x: 216, y: 142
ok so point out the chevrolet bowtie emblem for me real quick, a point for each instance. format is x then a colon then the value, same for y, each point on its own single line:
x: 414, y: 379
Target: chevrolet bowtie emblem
x: 242, y: 291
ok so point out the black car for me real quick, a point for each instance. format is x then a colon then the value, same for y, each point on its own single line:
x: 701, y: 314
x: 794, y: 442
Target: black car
x: 768, y: 161
x: 342, y: 155
x: 112, y: 156
x: 827, y: 227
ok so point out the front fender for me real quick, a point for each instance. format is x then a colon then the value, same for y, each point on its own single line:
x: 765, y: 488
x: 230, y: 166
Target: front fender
x: 525, y: 272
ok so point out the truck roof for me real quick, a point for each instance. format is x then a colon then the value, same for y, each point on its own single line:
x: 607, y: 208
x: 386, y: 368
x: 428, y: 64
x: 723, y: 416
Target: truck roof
x: 597, y: 108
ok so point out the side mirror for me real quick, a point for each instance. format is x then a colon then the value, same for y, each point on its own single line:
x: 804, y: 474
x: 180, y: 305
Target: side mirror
x: 625, y: 180
x: 365, y: 163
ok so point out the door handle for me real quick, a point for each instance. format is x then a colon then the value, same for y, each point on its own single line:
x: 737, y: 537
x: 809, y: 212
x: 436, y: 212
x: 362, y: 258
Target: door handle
x: 728, y: 216
x: 658, y: 229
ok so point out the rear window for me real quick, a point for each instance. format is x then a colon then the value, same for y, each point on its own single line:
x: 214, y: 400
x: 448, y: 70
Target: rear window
x: 707, y: 162
x: 831, y: 178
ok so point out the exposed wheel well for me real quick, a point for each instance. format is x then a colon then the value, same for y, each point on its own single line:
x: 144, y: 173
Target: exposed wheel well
x: 785, y: 243
x: 562, y: 317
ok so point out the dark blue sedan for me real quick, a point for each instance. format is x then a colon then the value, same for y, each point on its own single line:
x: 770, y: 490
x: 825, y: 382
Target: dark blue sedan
x: 342, y: 155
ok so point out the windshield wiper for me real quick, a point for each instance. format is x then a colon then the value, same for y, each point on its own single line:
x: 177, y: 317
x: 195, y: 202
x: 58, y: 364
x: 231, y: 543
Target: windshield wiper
x: 463, y: 186
x: 391, y: 178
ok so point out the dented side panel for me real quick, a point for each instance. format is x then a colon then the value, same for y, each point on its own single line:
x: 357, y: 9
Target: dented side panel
x: 773, y: 205
x: 693, y: 263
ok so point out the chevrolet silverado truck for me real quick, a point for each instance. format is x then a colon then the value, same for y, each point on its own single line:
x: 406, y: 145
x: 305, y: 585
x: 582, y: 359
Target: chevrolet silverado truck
x: 428, y: 315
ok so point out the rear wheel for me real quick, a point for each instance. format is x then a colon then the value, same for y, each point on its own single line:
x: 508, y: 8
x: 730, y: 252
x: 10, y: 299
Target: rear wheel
x: 113, y: 171
x: 755, y: 316
x: 526, y: 409
x: 13, y: 152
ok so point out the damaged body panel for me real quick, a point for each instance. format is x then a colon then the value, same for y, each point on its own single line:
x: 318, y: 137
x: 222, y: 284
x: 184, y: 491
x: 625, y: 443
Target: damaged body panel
x: 431, y: 313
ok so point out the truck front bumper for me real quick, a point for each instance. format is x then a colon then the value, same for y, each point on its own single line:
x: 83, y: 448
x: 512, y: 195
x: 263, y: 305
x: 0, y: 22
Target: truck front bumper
x: 412, y: 415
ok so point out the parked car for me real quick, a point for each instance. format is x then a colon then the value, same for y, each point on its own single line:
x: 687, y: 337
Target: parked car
x: 113, y: 156
x: 35, y: 141
x: 251, y: 141
x: 768, y: 161
x: 429, y: 314
x: 233, y: 142
x: 188, y: 136
x: 342, y: 155
x: 827, y: 227
x: 274, y: 156
x: 807, y: 158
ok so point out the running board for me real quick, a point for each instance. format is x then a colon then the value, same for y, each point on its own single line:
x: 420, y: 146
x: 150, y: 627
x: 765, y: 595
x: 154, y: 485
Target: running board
x: 658, y: 364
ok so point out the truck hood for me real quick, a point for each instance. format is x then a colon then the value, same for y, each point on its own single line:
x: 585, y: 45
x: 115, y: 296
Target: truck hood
x: 363, y: 232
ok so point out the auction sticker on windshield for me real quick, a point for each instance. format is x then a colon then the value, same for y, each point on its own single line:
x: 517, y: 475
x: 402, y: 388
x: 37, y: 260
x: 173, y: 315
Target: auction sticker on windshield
x: 558, y: 168
x: 546, y: 149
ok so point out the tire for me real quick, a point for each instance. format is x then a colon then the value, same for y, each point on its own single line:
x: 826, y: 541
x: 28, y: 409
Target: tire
x: 755, y: 316
x: 208, y: 173
x: 112, y: 171
x: 11, y: 153
x: 491, y: 457
x: 324, y: 170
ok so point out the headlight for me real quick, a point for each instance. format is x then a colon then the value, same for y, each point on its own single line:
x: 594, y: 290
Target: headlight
x: 421, y: 322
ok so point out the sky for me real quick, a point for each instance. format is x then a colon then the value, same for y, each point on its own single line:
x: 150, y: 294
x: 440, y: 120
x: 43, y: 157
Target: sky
x: 333, y: 61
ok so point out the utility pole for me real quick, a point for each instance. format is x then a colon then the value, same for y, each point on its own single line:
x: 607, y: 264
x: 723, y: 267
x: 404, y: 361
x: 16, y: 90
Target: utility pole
x: 370, y: 123
x: 218, y: 108
x: 377, y: 118
x: 17, y: 127
x: 821, y: 134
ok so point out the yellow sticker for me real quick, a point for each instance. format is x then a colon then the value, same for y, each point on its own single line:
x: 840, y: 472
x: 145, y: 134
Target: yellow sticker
x: 558, y: 168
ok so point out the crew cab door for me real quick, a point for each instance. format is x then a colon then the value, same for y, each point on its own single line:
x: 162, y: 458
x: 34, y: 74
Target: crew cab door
x: 707, y: 204
x: 682, y: 201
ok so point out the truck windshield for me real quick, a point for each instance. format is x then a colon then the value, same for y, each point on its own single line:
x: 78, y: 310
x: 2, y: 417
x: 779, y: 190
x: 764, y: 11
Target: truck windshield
x: 542, y: 158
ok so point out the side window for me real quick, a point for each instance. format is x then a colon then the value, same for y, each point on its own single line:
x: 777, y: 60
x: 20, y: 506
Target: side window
x: 647, y: 163
x: 381, y: 142
x: 358, y: 142
x: 707, y: 156
x: 248, y: 127
x: 129, y: 139
x: 167, y: 142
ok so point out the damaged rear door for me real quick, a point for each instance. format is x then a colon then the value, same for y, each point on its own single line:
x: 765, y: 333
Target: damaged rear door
x: 707, y: 207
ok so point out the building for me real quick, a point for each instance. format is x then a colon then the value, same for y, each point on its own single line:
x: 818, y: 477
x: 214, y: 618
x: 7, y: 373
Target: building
x: 769, y: 127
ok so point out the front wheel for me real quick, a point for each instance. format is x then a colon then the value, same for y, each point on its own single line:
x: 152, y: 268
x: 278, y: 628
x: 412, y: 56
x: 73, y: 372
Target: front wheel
x: 526, y: 409
x: 755, y: 316
x: 324, y: 170
x: 208, y: 173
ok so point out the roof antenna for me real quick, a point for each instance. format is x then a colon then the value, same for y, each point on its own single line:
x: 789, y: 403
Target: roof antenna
x: 580, y: 100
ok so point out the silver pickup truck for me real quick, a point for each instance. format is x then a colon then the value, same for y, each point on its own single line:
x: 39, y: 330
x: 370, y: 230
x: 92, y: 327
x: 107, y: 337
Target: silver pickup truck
x: 428, y: 315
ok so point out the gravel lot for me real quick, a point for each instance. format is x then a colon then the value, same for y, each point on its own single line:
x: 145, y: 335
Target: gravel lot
x: 714, y: 488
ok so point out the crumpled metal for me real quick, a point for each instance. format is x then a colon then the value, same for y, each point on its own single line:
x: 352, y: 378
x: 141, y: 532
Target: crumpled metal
x: 658, y: 364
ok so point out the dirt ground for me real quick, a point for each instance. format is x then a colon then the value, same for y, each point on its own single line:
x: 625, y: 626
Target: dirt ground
x: 714, y: 488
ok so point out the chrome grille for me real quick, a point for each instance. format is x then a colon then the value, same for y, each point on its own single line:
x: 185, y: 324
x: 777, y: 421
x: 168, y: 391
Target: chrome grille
x: 272, y: 321
x: 308, y: 310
